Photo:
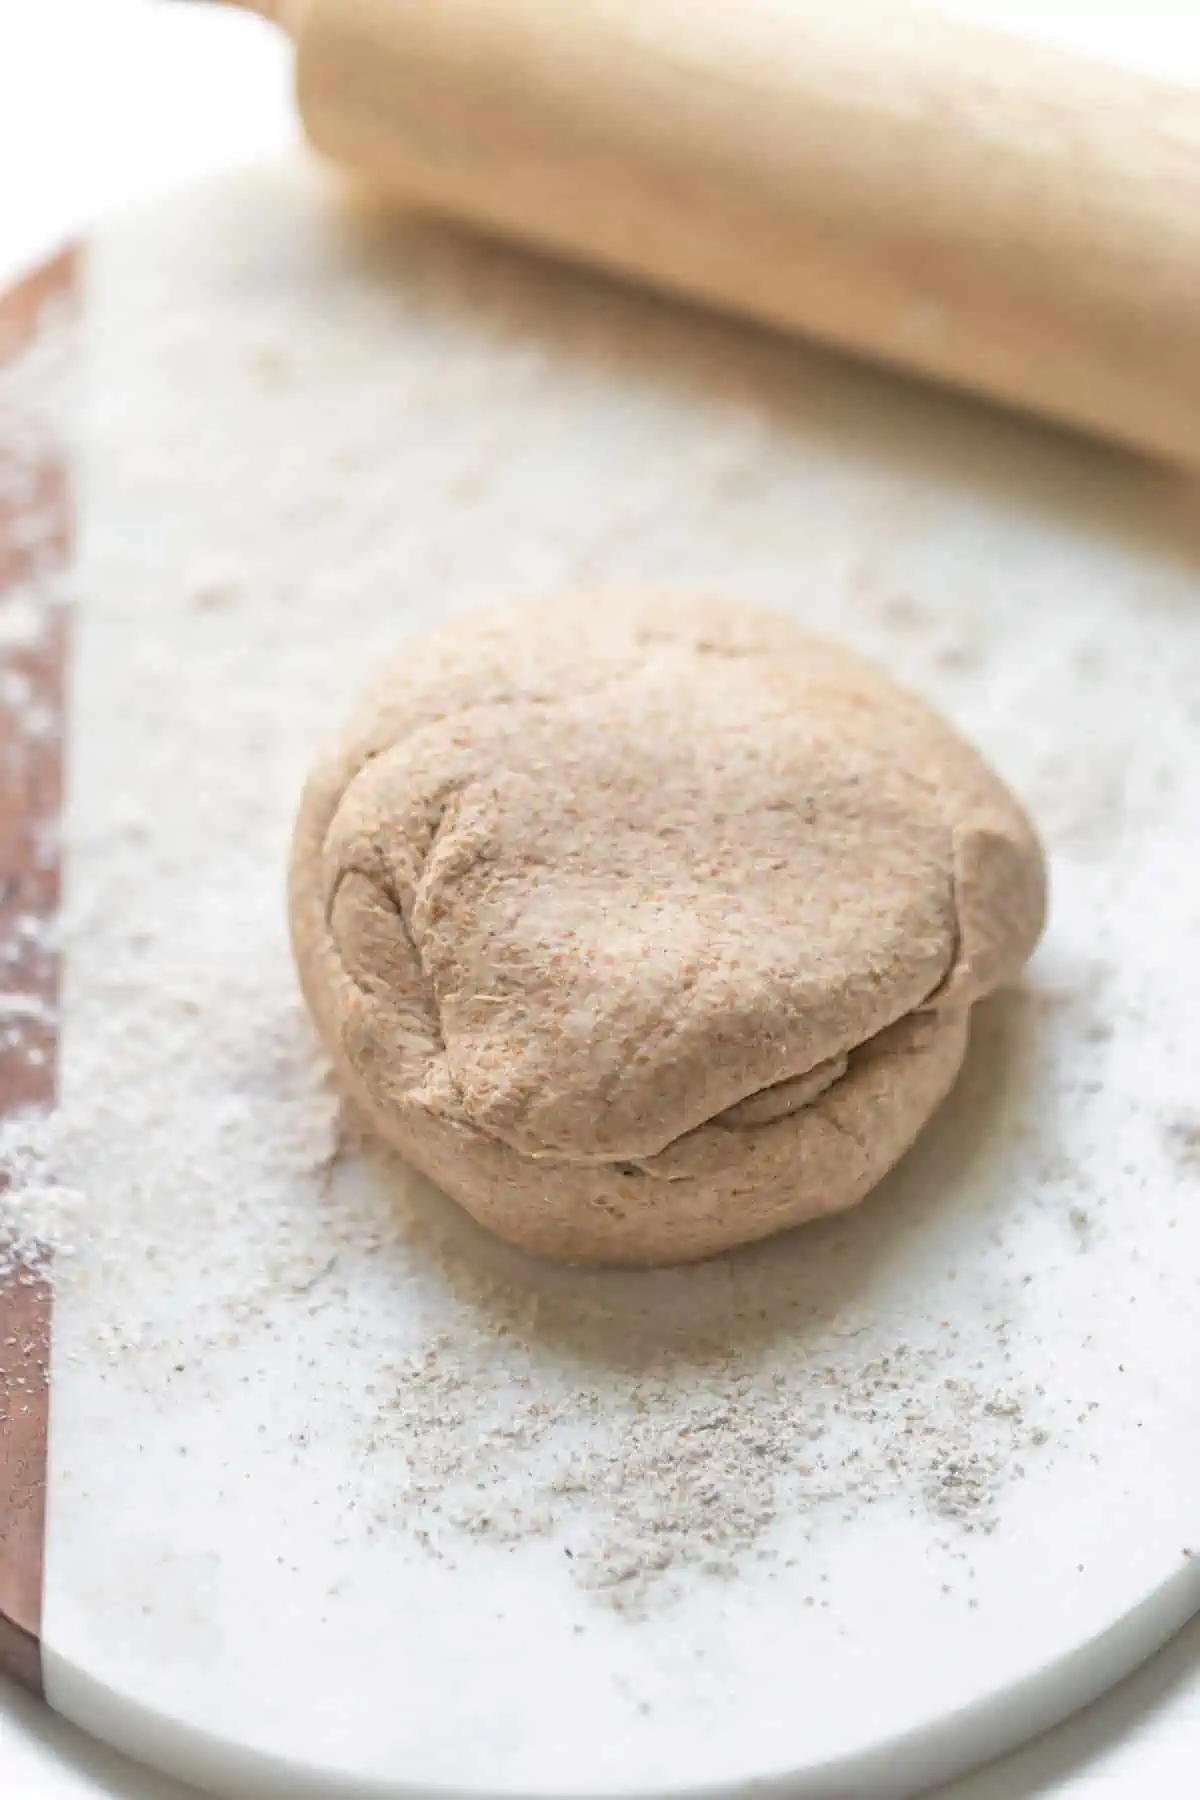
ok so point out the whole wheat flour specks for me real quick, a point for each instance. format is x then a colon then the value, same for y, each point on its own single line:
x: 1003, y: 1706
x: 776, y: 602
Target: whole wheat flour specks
x: 647, y: 927
x: 307, y: 435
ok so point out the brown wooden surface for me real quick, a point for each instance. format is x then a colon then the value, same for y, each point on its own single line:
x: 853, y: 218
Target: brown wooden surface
x: 35, y: 535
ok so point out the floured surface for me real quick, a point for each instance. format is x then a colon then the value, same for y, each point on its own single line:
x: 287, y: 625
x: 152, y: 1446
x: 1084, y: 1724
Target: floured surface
x: 382, y: 1476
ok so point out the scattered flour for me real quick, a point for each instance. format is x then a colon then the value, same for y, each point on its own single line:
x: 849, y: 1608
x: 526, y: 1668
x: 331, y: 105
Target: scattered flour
x: 282, y: 478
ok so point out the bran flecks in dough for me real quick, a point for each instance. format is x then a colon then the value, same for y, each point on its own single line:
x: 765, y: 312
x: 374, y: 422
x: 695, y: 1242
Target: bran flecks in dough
x: 646, y: 928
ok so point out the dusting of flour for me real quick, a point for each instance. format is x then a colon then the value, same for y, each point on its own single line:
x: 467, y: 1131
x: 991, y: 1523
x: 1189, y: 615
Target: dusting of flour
x: 302, y: 444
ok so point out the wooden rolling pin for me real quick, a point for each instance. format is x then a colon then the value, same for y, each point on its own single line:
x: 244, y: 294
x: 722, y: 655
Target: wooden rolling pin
x: 1005, y: 217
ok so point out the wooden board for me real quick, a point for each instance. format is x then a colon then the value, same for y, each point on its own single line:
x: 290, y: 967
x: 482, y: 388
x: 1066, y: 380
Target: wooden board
x: 35, y: 537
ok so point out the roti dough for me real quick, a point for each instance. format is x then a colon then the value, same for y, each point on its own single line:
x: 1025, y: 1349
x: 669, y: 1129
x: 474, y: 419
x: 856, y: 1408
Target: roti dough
x: 649, y: 927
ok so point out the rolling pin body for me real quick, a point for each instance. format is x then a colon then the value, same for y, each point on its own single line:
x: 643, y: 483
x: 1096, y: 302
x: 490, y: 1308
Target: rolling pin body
x: 1001, y: 216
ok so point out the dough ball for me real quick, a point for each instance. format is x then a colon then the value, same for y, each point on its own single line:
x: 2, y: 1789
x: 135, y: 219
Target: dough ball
x: 648, y: 928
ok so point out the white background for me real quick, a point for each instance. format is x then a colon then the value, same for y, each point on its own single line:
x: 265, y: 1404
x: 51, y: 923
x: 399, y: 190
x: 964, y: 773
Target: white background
x: 102, y: 101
